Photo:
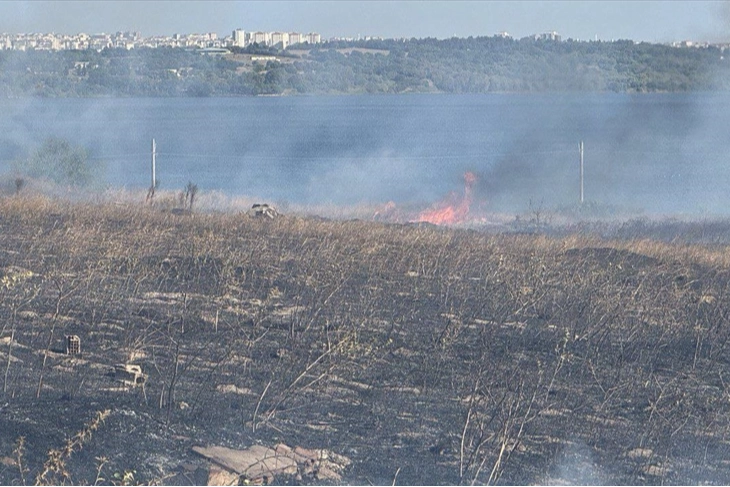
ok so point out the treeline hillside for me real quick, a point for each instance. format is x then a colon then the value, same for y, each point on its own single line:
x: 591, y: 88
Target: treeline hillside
x: 456, y: 65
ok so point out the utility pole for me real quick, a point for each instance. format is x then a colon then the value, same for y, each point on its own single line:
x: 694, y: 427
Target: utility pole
x: 581, y: 172
x: 151, y: 191
x: 154, y: 155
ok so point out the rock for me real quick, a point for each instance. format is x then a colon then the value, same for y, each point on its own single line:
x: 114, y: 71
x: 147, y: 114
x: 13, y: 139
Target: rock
x: 324, y: 473
x: 322, y: 464
x: 305, y: 464
x: 260, y: 464
x: 298, y: 454
x: 220, y: 476
x: 257, y: 462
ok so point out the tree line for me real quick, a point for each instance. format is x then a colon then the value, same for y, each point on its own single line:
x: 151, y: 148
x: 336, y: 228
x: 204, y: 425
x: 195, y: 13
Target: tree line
x: 456, y: 65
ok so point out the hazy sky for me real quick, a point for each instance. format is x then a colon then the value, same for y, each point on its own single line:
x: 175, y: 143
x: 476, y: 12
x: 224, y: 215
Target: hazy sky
x: 653, y: 21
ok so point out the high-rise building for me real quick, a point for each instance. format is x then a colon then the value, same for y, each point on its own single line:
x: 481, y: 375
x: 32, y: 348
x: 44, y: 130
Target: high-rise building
x: 239, y: 38
x: 261, y: 38
x: 295, y: 38
x: 280, y: 38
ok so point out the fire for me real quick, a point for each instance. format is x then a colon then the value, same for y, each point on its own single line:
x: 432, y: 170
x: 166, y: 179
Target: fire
x: 452, y: 210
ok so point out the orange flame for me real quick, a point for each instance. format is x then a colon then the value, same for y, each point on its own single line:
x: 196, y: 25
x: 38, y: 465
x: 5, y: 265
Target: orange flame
x: 453, y: 209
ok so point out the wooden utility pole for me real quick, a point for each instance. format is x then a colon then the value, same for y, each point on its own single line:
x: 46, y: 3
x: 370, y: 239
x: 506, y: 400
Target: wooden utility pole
x: 581, y: 172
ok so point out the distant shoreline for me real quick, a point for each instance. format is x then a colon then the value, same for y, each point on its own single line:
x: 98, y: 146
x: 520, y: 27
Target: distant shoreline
x: 473, y: 65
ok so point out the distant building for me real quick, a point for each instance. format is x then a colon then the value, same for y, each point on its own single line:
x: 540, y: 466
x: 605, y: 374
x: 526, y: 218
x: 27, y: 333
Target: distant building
x: 295, y: 38
x: 261, y: 38
x: 313, y: 38
x: 548, y: 36
x: 280, y: 38
x: 212, y: 50
x: 133, y: 40
x: 689, y: 43
x: 239, y: 38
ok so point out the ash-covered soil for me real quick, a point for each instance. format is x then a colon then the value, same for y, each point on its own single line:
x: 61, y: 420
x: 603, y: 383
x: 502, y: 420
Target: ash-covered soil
x: 424, y: 355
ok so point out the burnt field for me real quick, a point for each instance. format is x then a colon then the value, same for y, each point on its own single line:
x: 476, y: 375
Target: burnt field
x: 423, y: 355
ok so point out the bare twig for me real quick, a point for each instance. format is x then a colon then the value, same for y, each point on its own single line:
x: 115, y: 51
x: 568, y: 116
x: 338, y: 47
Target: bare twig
x: 258, y: 405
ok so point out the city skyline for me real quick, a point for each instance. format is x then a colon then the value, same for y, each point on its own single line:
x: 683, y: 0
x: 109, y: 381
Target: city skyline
x: 651, y: 21
x: 134, y: 40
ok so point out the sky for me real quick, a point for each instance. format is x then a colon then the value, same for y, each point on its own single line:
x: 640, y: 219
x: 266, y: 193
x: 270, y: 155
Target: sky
x: 651, y: 21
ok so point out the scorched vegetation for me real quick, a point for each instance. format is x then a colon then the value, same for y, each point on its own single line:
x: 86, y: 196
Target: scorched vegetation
x: 425, y: 355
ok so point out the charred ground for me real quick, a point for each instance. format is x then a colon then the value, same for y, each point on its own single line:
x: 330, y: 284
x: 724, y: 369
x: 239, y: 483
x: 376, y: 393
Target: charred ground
x: 425, y: 355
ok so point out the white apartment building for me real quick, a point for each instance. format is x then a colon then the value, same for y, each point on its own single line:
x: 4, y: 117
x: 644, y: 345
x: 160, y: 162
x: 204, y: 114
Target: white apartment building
x: 548, y: 36
x: 280, y: 37
x: 239, y: 38
x: 295, y: 38
x: 261, y: 38
x: 100, y: 41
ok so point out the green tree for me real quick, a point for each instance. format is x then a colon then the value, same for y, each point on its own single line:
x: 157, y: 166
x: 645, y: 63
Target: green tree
x: 56, y: 159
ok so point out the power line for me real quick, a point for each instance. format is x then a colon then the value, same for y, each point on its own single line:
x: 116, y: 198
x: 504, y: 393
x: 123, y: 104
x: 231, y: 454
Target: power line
x: 384, y: 157
x: 487, y: 155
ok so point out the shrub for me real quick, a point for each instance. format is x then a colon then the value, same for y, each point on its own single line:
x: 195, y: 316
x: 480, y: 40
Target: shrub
x: 60, y: 161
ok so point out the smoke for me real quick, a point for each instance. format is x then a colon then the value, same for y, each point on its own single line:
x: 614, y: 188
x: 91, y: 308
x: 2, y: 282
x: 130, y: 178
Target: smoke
x: 658, y: 153
x: 366, y: 180
x: 575, y: 466
x: 343, y: 151
x: 718, y: 29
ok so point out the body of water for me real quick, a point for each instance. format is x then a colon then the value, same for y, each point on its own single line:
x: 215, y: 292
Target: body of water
x: 658, y: 152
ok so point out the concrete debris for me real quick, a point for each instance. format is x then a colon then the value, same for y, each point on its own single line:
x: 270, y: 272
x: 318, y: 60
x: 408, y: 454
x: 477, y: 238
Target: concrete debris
x: 129, y: 374
x: 259, y: 464
x: 263, y: 210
